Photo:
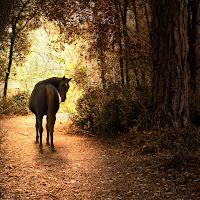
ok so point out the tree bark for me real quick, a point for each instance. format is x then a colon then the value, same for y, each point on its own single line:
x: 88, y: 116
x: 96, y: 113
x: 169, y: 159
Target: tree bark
x: 148, y: 22
x: 170, y: 68
x: 192, y: 31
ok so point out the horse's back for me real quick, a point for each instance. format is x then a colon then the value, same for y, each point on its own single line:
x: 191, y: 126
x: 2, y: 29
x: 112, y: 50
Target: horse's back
x: 42, y: 95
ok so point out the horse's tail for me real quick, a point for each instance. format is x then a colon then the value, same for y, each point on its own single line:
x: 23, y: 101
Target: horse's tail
x: 52, y: 107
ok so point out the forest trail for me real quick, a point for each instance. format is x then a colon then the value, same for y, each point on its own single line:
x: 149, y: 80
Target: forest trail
x: 81, y: 168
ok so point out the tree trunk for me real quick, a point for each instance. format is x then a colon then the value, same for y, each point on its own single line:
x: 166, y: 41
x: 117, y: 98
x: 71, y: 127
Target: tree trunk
x: 119, y: 40
x: 192, y: 31
x: 125, y: 34
x: 121, y: 61
x: 135, y: 13
x: 9, y: 65
x: 102, y: 63
x: 15, y: 20
x: 100, y: 34
x: 170, y: 68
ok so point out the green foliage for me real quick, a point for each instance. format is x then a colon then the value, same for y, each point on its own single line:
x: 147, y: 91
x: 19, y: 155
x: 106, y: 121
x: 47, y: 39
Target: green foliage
x: 107, y: 112
x: 44, y: 60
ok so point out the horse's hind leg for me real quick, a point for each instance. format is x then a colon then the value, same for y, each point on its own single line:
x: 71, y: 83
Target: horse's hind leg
x: 50, y: 124
x: 51, y: 131
x: 37, y: 136
x: 47, y: 139
x: 39, y: 123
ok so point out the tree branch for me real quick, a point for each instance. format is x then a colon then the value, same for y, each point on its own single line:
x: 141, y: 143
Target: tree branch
x: 24, y: 25
x: 21, y: 11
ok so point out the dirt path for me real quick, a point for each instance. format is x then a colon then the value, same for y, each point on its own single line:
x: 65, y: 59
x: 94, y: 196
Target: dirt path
x: 81, y: 168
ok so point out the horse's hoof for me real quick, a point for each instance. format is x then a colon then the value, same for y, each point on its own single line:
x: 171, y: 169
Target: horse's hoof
x: 41, y: 150
x: 53, y: 150
x: 36, y: 142
x: 47, y: 143
x: 40, y: 146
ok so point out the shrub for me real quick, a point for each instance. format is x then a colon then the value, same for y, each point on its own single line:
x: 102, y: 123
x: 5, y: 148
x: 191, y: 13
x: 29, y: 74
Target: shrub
x: 107, y: 112
x: 17, y: 104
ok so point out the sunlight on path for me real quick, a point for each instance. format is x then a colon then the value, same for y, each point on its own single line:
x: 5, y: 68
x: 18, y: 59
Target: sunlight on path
x: 79, y: 169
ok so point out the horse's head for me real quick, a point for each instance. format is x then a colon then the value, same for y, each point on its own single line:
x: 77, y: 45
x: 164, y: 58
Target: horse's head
x: 63, y: 88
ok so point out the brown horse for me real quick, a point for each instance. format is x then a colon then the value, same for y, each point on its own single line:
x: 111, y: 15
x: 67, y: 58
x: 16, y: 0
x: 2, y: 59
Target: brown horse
x: 44, y: 100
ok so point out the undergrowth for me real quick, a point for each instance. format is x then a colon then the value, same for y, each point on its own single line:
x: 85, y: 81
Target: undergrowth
x: 125, y: 116
x: 17, y: 104
x: 107, y: 112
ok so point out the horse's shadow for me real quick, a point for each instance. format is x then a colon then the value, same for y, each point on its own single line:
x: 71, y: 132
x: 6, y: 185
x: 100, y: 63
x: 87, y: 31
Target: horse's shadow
x: 48, y: 157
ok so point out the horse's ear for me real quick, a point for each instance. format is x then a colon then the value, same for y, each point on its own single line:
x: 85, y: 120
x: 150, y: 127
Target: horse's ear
x: 63, y: 78
x: 69, y: 79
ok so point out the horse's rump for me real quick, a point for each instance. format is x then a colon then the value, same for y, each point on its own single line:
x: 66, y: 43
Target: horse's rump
x: 44, y: 99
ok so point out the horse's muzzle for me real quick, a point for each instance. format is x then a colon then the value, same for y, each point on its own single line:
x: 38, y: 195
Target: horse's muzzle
x: 63, y: 99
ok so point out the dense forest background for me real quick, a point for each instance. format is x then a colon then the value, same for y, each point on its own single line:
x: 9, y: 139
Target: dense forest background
x: 133, y: 63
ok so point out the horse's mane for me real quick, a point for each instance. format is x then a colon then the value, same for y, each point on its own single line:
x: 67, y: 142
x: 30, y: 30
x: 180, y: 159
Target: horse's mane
x: 53, y: 81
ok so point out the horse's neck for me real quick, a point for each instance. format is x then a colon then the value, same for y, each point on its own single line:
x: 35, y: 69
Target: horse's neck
x: 53, y: 81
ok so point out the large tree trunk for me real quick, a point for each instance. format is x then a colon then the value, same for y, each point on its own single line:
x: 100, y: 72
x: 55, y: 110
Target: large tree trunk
x: 170, y: 68
x: 192, y: 30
